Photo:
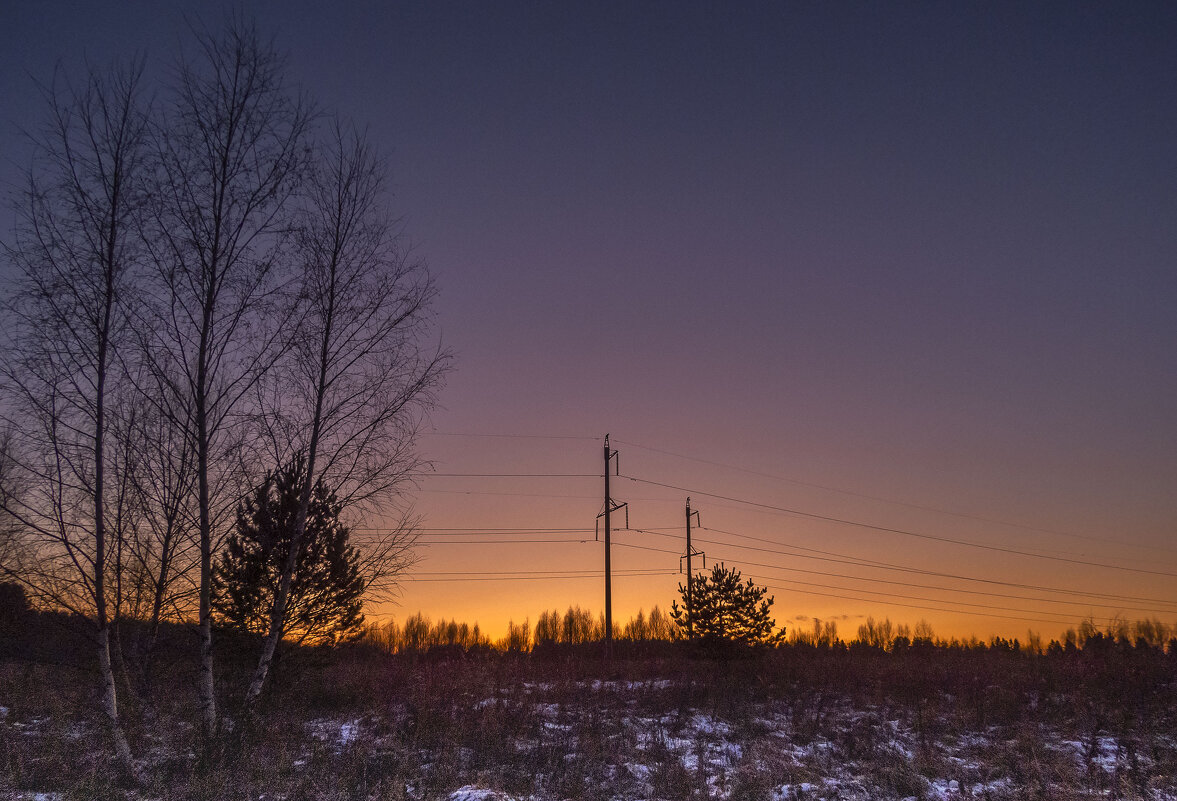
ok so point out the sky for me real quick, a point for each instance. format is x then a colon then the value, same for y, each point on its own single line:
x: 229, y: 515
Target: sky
x: 887, y: 283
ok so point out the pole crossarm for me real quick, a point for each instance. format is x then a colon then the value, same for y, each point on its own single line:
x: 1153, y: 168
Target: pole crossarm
x: 694, y: 552
x: 615, y: 507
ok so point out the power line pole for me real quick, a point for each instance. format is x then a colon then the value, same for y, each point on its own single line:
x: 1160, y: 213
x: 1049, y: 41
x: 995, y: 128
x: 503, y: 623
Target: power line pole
x: 610, y: 506
x: 690, y: 573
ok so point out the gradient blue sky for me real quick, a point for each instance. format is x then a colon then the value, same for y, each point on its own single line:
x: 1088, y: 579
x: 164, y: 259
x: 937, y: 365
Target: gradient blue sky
x: 923, y: 252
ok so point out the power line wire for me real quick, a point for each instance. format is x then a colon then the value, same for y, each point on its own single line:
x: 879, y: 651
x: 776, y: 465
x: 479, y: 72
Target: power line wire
x: 538, y: 529
x: 904, y: 532
x: 500, y: 542
x: 629, y: 571
x: 919, y: 606
x: 917, y: 597
x: 919, y: 571
x: 869, y: 600
x: 810, y: 571
x: 531, y: 578
x: 509, y: 475
x: 537, y: 495
x: 721, y: 505
x: 645, y: 548
x: 844, y: 559
x: 430, y: 529
x: 837, y: 558
x: 509, y: 494
x: 1088, y: 604
x: 920, y: 507
x: 505, y: 436
x: 854, y: 562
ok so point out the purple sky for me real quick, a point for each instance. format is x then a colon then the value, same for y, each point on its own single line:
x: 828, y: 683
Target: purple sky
x: 919, y: 252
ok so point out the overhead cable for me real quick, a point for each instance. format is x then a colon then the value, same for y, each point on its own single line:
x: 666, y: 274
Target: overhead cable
x: 867, y: 496
x: 904, y: 532
x: 812, y: 572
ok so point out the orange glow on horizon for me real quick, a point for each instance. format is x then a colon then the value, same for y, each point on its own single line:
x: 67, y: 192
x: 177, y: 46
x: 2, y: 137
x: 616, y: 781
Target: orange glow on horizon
x: 813, y: 568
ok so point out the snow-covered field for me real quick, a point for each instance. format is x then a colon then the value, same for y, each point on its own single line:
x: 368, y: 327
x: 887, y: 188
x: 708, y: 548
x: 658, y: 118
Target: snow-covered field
x: 609, y: 738
x: 482, y: 738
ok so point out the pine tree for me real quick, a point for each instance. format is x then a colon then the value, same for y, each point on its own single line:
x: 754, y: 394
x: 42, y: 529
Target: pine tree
x: 326, y: 595
x: 726, y: 612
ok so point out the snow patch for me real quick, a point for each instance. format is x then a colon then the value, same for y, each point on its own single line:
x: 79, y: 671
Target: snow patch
x: 348, y: 733
x: 942, y: 790
x: 473, y: 793
x: 341, y: 735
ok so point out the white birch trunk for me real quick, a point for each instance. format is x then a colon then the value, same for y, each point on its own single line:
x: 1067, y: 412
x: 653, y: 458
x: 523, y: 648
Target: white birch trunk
x: 110, y: 707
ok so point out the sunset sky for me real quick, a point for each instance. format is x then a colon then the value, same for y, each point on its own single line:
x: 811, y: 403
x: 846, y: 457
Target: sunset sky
x: 908, y: 269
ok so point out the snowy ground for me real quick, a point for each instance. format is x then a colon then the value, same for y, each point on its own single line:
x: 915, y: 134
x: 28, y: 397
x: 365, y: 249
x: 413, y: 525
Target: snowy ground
x: 656, y: 739
x: 770, y: 751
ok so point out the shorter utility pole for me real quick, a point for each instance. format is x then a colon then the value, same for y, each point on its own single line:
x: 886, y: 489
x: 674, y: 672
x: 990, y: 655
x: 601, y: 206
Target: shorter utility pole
x: 610, y: 506
x: 690, y: 573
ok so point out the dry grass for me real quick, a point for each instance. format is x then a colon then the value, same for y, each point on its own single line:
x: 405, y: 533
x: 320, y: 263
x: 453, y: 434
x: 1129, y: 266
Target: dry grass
x: 797, y: 723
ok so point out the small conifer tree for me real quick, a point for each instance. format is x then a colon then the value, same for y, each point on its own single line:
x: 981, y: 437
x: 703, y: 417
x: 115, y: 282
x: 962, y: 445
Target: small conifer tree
x: 326, y: 594
x: 726, y: 612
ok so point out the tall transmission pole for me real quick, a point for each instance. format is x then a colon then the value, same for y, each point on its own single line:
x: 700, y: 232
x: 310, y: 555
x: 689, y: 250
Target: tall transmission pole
x: 610, y: 506
x: 690, y: 573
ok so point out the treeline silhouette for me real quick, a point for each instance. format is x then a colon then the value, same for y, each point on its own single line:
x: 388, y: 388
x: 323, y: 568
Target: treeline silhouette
x: 578, y: 627
x: 573, y: 627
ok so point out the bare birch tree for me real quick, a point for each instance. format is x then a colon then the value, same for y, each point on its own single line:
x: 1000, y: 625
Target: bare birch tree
x: 164, y: 561
x: 14, y: 540
x: 154, y: 510
x: 361, y: 370
x: 231, y: 153
x: 75, y: 250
